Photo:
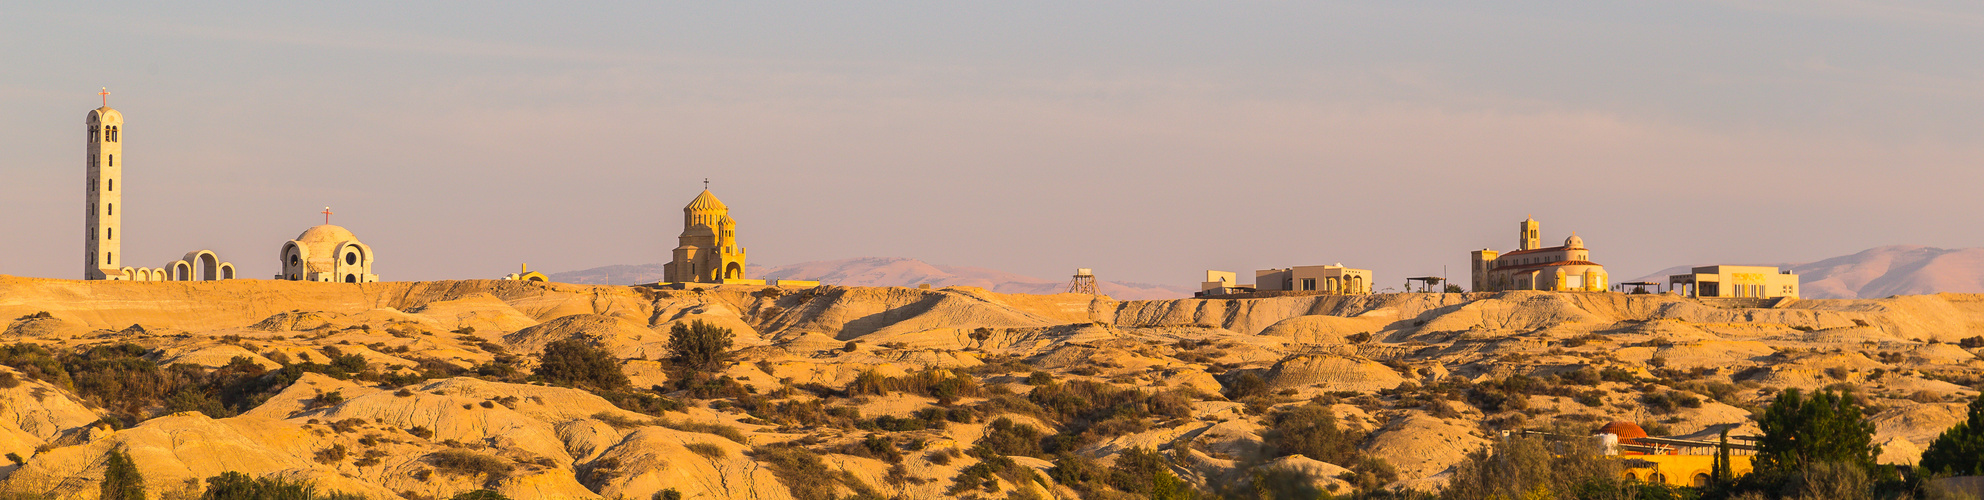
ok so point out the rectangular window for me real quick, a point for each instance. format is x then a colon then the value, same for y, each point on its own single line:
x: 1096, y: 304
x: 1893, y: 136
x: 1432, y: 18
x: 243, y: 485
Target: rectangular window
x: 1308, y: 284
x: 113, y: 160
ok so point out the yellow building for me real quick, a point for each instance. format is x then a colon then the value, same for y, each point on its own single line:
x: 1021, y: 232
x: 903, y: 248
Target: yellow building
x: 707, y: 251
x: 1757, y: 282
x: 1677, y: 462
x: 1532, y: 266
x: 1334, y: 279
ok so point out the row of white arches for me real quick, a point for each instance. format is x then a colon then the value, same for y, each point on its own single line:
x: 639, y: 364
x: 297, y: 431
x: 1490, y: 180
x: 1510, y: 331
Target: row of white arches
x: 198, y: 265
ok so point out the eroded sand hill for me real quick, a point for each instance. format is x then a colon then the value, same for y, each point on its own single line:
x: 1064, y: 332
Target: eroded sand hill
x: 1405, y: 369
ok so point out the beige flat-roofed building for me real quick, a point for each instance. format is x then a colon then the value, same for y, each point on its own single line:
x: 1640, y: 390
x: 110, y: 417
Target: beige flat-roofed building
x: 1334, y: 279
x: 1753, y: 282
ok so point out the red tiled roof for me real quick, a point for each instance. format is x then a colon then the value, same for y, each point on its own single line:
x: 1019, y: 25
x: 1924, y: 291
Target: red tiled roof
x: 1532, y: 250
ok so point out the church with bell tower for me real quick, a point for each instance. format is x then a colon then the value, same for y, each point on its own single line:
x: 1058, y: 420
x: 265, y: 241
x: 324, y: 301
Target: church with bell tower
x: 707, y: 251
x: 101, y: 224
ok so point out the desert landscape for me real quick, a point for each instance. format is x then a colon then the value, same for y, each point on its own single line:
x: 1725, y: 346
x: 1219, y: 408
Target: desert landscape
x: 432, y: 389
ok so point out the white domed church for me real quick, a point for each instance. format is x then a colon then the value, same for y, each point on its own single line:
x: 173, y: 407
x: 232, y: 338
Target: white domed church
x: 327, y: 253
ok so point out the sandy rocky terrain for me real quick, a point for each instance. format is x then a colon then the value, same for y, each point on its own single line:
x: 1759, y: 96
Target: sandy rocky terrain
x: 1400, y: 367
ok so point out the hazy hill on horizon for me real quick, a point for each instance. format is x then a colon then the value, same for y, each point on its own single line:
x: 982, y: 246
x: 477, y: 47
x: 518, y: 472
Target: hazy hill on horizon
x: 1881, y: 272
x: 886, y: 271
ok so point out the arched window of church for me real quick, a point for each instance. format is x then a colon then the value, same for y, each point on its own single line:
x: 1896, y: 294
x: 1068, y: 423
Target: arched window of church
x: 113, y: 134
x: 106, y: 134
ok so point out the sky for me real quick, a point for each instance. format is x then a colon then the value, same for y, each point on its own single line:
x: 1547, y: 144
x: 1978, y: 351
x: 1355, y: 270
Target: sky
x: 1149, y: 140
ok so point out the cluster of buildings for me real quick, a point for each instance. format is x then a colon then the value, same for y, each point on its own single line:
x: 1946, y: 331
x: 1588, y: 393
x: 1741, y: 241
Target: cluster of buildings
x: 1531, y: 266
x: 707, y: 252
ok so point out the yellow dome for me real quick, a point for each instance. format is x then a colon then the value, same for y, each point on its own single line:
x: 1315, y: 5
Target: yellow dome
x: 327, y: 234
x: 1574, y: 242
x: 705, y: 202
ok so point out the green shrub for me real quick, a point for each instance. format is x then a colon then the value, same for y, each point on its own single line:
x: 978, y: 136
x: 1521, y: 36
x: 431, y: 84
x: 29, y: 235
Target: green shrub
x: 699, y: 347
x: 1828, y: 427
x: 576, y: 363
x: 121, y: 480
x: 1960, y: 450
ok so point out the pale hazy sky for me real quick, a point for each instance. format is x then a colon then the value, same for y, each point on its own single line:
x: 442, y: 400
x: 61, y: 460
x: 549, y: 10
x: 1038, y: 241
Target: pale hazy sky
x: 1148, y: 140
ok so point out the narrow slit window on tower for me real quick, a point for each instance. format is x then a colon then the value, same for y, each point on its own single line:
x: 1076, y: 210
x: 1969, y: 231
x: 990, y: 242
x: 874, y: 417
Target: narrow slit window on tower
x: 110, y: 209
x: 110, y: 185
x: 109, y: 233
x: 113, y: 160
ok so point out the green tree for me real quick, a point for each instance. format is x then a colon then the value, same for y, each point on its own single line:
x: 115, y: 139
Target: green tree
x: 1960, y: 450
x: 699, y: 346
x: 576, y: 363
x: 121, y: 480
x: 1829, y: 427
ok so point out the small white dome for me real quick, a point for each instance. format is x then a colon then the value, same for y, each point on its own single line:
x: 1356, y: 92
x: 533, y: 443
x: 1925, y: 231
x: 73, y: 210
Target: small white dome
x: 1574, y: 242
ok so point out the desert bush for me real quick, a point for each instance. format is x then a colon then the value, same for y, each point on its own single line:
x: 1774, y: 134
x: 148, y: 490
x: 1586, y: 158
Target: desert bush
x: 232, y: 485
x: 459, y: 462
x: 478, y: 495
x: 720, y: 430
x: 1245, y: 385
x: 985, y: 475
x: 577, y: 363
x: 706, y: 449
x: 1003, y: 438
x: 1311, y: 430
x: 1144, y: 472
x: 944, y: 385
x: 331, y: 455
x: 1668, y: 402
x: 1088, y: 411
x: 808, y: 477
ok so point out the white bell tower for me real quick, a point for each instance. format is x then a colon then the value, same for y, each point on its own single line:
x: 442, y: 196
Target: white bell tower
x: 101, y: 251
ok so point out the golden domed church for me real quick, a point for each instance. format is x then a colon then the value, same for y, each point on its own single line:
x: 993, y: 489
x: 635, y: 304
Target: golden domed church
x: 1565, y: 268
x: 708, y: 250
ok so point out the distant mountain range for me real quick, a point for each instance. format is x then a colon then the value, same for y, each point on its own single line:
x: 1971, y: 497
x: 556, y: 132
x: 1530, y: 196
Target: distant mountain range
x: 887, y: 271
x: 1883, y: 271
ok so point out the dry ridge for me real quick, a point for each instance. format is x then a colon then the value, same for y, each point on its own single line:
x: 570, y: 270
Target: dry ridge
x: 1407, y: 371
